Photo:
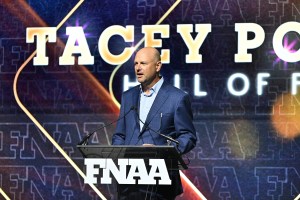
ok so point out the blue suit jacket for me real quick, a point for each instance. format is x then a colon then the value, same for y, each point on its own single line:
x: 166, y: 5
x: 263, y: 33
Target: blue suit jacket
x: 170, y: 114
x: 176, y: 122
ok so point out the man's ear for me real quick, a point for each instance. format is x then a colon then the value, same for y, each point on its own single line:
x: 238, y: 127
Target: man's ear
x: 158, y: 66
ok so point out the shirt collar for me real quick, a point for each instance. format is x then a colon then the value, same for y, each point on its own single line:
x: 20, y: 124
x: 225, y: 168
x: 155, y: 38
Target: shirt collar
x: 155, y: 87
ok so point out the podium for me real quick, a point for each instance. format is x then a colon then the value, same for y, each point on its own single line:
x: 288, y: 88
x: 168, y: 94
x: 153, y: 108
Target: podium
x: 171, y: 156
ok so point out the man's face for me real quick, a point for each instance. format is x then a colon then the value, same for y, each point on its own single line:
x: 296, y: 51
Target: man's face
x: 146, y: 66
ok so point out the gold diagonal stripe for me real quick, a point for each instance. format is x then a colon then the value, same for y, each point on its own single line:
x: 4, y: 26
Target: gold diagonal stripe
x: 193, y: 187
x: 37, y: 123
x: 4, y: 195
x: 110, y: 88
x: 134, y: 49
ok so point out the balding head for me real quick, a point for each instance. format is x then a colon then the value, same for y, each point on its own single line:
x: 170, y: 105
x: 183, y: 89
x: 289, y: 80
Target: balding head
x: 152, y: 52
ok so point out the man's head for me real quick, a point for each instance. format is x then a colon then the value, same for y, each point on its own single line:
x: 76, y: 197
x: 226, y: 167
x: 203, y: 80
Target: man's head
x: 147, y: 65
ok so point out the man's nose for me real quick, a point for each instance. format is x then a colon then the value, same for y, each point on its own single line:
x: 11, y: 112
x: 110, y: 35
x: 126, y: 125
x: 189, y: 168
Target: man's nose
x: 138, y: 67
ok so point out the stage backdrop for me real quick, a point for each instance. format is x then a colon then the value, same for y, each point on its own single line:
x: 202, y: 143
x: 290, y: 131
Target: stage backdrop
x: 237, y: 59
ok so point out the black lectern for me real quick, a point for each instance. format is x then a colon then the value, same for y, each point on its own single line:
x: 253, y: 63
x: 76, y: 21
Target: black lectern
x: 168, y: 153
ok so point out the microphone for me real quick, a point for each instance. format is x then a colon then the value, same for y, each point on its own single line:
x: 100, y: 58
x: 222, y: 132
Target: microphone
x: 84, y: 141
x: 159, y: 133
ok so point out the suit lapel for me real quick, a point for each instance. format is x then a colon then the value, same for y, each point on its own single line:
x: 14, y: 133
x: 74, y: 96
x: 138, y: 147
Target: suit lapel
x: 135, y: 103
x: 160, y: 99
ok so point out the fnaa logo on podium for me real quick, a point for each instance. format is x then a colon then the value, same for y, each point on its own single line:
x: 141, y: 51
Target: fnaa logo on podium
x: 128, y: 171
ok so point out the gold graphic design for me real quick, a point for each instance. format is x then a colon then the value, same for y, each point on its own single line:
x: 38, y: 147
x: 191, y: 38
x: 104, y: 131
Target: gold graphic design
x: 4, y: 194
x: 135, y: 48
x: 110, y: 93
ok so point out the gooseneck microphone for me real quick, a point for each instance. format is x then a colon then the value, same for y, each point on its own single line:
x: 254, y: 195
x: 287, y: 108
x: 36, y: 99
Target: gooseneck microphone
x: 86, y: 138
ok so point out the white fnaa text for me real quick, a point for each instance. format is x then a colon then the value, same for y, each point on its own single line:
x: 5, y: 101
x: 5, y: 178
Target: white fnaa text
x: 137, y: 173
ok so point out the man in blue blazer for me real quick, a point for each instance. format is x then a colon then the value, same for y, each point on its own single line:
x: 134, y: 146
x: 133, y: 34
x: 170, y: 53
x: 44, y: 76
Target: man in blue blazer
x: 151, y: 108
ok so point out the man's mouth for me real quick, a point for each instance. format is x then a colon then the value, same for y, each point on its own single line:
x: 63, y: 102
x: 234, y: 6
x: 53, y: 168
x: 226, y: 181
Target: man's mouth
x: 139, y: 74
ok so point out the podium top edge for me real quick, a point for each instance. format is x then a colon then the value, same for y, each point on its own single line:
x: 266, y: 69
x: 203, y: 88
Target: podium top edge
x: 124, y: 146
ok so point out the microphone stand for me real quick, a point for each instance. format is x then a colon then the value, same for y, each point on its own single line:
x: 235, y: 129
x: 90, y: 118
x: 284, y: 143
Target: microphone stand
x: 86, y: 138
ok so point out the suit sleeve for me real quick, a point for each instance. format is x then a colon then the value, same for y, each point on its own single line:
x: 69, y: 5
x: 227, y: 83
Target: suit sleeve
x: 185, y: 130
x: 119, y: 136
